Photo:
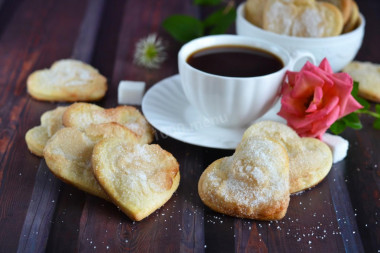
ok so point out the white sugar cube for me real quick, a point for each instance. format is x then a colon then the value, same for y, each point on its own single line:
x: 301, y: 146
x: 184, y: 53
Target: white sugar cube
x: 338, y: 146
x: 130, y: 92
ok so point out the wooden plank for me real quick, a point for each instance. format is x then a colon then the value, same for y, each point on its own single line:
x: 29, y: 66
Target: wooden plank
x: 362, y: 178
x: 36, y: 228
x: 85, y: 43
x: 308, y: 226
x: 362, y: 170
x: 66, y: 220
x: 23, y: 40
x: 344, y: 211
x: 7, y: 9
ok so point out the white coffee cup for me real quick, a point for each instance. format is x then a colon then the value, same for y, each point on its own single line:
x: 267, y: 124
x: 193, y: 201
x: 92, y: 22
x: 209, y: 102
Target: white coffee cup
x: 234, y: 101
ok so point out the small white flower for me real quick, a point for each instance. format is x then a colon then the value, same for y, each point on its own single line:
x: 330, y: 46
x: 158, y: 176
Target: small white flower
x: 150, y: 52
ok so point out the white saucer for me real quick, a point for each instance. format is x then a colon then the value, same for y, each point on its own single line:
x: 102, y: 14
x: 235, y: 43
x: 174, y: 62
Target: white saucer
x: 167, y: 109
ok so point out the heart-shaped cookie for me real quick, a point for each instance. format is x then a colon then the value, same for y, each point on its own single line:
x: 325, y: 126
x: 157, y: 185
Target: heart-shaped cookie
x: 368, y: 76
x: 253, y: 11
x: 37, y: 137
x: 67, y: 80
x: 354, y: 18
x: 310, y: 159
x: 252, y: 183
x: 302, y: 18
x: 81, y: 115
x: 68, y: 153
x: 344, y: 6
x: 138, y: 178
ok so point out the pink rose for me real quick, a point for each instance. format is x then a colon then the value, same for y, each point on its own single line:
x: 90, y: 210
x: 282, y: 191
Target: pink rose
x: 314, y: 98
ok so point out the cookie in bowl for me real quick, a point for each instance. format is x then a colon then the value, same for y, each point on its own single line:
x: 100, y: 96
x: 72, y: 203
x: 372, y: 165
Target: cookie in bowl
x: 340, y: 49
x: 302, y: 18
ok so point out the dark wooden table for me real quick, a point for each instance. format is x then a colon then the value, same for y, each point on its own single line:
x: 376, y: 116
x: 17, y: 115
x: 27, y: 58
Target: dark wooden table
x: 40, y: 213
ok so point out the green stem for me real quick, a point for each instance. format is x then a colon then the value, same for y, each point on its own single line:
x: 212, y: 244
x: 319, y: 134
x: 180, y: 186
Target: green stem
x: 365, y: 111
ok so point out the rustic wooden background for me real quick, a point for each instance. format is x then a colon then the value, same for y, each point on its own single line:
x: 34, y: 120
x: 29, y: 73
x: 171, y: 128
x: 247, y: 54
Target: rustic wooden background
x: 39, y: 213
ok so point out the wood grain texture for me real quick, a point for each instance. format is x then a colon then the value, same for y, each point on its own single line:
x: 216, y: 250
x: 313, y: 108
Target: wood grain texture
x: 362, y: 178
x: 36, y: 228
x: 24, y: 48
x: 38, y: 213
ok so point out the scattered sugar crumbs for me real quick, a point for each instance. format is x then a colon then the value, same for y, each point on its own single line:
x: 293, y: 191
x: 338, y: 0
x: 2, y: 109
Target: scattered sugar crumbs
x: 307, y: 227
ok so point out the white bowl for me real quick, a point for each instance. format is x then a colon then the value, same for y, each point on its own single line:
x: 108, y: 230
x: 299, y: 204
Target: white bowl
x: 339, y: 50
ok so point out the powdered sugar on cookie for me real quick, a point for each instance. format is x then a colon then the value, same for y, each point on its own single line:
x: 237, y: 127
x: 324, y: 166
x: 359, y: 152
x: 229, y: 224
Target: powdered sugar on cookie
x: 253, y: 183
x: 302, y: 18
x: 67, y: 80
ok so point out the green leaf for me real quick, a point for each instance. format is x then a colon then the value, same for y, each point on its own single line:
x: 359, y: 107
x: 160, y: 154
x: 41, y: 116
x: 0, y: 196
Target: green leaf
x: 338, y: 127
x: 219, y: 21
x: 355, y: 89
x: 377, y: 108
x: 376, y: 124
x: 207, y: 2
x: 352, y: 120
x: 355, y: 94
x: 366, y: 105
x: 183, y: 28
x: 352, y: 117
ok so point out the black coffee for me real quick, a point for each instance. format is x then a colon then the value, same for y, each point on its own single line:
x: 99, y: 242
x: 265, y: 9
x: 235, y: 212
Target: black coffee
x: 235, y: 61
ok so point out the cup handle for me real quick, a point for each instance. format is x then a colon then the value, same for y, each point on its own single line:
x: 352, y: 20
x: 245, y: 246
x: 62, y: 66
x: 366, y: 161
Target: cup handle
x: 299, y: 56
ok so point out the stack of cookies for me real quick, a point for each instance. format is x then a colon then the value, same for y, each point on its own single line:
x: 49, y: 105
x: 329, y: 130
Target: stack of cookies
x: 106, y: 152
x: 304, y: 18
x: 269, y: 164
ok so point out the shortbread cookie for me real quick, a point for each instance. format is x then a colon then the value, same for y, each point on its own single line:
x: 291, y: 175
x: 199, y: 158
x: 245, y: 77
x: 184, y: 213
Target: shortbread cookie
x: 253, y: 11
x: 51, y: 122
x: 368, y: 76
x: 68, y: 153
x: 253, y: 183
x: 302, y: 18
x: 310, y: 159
x: 353, y: 20
x: 345, y: 6
x: 138, y: 178
x: 67, y: 80
x: 82, y: 115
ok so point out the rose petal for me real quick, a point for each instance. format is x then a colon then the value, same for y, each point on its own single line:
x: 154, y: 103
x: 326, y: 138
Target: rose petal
x: 321, y: 127
x: 305, y: 83
x: 291, y: 76
x: 322, y: 73
x: 299, y: 122
x: 318, y: 94
x: 325, y: 65
x: 327, y: 109
x: 293, y: 107
x: 351, y: 106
